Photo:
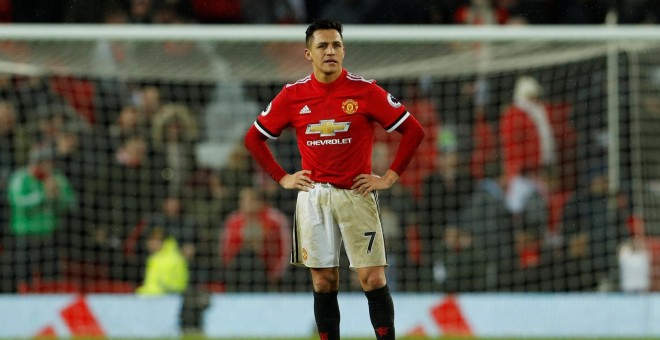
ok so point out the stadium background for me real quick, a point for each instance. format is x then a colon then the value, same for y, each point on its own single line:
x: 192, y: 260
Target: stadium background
x: 144, y: 110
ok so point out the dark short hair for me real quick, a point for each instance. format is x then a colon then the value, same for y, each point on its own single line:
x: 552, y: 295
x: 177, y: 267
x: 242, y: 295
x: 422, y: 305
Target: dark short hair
x: 322, y: 25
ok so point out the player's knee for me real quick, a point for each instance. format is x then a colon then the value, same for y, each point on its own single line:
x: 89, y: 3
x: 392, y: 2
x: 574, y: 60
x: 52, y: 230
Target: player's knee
x: 373, y: 282
x: 322, y: 286
x: 325, y: 281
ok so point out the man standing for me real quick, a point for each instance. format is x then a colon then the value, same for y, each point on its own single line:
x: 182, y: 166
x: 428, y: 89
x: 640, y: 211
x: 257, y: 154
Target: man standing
x: 39, y: 196
x: 332, y: 112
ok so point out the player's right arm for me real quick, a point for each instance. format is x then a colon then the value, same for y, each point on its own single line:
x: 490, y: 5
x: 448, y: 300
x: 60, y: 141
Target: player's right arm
x: 298, y: 181
x: 255, y: 143
x: 269, y: 125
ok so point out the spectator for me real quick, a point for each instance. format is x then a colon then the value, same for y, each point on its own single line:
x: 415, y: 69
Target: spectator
x: 174, y: 132
x: 69, y: 157
x: 529, y: 211
x: 128, y: 123
x: 462, y: 267
x: 39, y: 195
x: 236, y: 174
x: 481, y: 12
x: 129, y: 188
x: 634, y: 259
x: 140, y: 11
x: 444, y: 194
x: 555, y: 198
x: 173, y: 220
x: 71, y: 161
x: 526, y: 135
x: 205, y: 200
x: 489, y: 223
x: 531, y: 139
x: 191, y: 315
x: 148, y: 102
x: 593, y: 232
x: 529, y: 229
x: 167, y: 270
x: 255, y: 244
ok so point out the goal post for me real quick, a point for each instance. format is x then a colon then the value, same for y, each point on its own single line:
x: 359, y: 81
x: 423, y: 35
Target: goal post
x: 143, y: 118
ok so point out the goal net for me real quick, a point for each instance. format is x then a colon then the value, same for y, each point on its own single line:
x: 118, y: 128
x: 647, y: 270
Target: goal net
x: 540, y: 170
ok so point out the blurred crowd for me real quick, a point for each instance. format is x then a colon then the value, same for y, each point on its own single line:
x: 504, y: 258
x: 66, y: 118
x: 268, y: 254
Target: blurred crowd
x: 104, y: 189
x: 502, y: 12
x: 117, y: 200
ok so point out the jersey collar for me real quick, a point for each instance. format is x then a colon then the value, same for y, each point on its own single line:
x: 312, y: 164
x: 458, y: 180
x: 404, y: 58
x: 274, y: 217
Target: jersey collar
x: 333, y: 84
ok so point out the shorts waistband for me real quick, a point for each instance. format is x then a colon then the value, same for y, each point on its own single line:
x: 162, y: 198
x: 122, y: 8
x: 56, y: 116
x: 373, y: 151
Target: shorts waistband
x: 330, y: 185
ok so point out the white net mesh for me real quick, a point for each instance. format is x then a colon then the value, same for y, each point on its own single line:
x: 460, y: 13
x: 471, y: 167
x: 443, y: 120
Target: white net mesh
x: 147, y: 133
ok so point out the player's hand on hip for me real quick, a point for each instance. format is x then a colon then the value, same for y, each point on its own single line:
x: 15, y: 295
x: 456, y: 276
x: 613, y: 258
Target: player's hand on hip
x: 297, y: 181
x: 366, y: 183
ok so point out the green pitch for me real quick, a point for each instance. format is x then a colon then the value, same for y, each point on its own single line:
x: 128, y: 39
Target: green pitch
x: 425, y: 338
x: 316, y: 338
x: 198, y: 337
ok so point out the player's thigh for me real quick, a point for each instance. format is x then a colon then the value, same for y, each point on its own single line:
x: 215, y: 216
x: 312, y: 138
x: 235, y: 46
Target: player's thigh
x: 316, y: 239
x: 362, y: 233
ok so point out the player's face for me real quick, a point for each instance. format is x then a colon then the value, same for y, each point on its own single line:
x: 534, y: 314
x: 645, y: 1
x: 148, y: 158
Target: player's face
x: 326, y: 52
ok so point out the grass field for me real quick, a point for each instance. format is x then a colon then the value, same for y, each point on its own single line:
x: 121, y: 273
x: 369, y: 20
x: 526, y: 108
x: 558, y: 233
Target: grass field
x: 450, y: 338
x: 421, y: 338
x: 316, y: 338
x: 196, y: 337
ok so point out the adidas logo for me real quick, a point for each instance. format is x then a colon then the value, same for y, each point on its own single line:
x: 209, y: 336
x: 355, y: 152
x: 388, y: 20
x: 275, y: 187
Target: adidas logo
x: 305, y: 110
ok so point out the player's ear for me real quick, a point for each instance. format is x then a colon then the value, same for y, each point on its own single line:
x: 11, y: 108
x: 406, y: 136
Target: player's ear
x: 308, y: 54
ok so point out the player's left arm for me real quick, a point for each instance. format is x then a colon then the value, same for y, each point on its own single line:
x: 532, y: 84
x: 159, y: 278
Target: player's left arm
x: 412, y: 135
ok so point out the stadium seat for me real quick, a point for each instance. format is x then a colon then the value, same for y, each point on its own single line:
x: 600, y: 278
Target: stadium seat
x: 108, y: 286
x: 214, y: 287
x: 39, y: 286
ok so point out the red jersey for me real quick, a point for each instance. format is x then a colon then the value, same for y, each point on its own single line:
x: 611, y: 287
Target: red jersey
x: 276, y: 239
x: 333, y: 123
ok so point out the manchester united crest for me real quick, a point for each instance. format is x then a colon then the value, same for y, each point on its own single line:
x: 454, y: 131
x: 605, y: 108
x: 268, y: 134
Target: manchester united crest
x: 349, y: 106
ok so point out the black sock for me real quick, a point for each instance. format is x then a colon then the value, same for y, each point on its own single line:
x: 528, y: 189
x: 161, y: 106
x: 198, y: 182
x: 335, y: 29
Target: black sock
x: 326, y: 313
x: 381, y: 311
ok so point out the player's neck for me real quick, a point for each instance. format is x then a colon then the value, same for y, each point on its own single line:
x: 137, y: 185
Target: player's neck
x: 326, y: 78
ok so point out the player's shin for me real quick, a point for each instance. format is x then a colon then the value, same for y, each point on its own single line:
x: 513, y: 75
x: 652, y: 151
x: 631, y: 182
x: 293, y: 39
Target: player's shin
x: 326, y: 313
x: 381, y: 311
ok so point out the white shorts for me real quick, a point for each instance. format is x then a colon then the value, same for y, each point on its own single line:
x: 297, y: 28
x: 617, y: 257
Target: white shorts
x: 325, y: 217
